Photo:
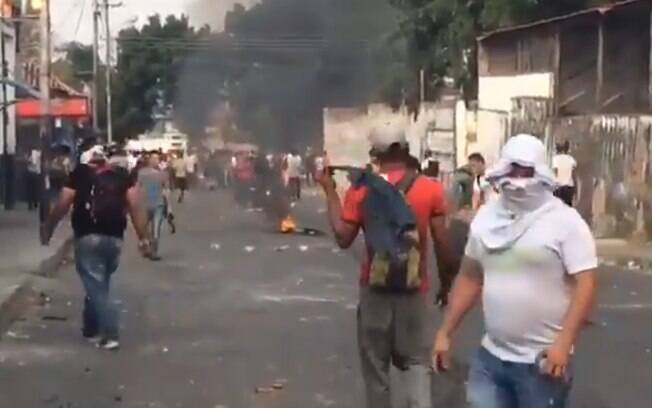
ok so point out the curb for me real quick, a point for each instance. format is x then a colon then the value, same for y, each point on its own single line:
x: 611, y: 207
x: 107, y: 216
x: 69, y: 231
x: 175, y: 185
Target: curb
x: 13, y: 301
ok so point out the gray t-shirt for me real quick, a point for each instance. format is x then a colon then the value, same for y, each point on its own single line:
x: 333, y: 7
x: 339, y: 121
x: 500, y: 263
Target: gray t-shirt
x: 152, y: 182
x: 527, y: 288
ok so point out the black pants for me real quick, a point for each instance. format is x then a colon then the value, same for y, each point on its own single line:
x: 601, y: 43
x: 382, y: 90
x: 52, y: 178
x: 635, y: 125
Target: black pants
x: 32, y: 186
x: 295, y: 187
x: 566, y: 194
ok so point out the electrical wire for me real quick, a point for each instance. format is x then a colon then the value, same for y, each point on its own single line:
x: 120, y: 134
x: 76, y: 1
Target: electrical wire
x: 79, y: 20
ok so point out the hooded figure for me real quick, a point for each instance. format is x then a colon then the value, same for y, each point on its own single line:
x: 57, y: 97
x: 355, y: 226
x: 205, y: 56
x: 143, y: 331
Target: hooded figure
x: 522, y: 200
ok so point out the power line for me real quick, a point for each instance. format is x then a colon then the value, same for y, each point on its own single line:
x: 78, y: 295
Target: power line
x: 79, y: 20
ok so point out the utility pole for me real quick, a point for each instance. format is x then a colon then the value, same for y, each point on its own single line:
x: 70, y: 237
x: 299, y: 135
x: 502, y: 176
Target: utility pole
x: 44, y: 85
x: 6, y: 180
x: 109, y: 119
x: 96, y: 99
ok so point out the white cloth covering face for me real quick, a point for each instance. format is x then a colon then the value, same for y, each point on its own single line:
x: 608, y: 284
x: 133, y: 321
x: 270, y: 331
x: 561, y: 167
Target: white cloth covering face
x: 522, y: 201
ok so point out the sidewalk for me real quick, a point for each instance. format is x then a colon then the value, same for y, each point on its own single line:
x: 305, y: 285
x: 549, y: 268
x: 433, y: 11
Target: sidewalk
x: 620, y: 251
x: 21, y: 253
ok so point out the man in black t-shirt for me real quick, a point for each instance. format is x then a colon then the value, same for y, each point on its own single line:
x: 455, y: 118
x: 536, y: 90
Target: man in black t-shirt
x: 101, y: 196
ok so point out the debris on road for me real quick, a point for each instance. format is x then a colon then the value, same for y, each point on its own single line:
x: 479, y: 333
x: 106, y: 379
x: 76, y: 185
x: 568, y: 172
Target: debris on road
x: 215, y: 246
x: 303, y: 248
x: 165, y: 349
x: 282, y: 248
x: 17, y: 336
x: 249, y: 248
x: 54, y: 318
x: 264, y: 390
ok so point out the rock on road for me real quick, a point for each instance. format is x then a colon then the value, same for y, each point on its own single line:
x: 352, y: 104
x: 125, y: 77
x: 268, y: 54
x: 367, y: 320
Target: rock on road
x: 234, y: 307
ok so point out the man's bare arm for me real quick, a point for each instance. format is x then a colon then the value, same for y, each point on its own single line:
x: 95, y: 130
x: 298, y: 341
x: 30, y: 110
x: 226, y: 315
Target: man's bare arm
x: 445, y: 261
x: 582, y: 301
x: 60, y: 209
x: 464, y: 295
x: 137, y: 214
x: 345, y: 232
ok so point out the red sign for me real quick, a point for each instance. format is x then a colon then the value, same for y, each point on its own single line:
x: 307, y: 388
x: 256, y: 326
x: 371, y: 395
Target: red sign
x: 67, y: 108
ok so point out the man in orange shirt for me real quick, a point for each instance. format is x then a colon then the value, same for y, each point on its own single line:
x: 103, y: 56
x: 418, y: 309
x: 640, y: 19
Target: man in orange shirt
x: 392, y: 324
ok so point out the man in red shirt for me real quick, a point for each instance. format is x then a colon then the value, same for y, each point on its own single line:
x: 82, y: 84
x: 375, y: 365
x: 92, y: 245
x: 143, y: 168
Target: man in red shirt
x: 392, y: 326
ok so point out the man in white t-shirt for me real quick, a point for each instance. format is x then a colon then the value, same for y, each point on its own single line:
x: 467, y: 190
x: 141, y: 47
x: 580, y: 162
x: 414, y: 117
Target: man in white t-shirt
x: 483, y: 191
x: 294, y: 168
x: 565, y: 166
x: 532, y: 259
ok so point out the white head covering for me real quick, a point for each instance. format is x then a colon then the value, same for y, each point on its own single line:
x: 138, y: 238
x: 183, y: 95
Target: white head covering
x: 94, y: 153
x: 497, y: 225
x: 527, y: 151
x: 384, y: 135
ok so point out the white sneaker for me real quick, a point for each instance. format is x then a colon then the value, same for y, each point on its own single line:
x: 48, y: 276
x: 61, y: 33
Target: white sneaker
x: 109, y: 344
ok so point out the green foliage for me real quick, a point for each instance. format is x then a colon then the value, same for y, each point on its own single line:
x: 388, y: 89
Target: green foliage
x: 442, y: 33
x: 147, y: 70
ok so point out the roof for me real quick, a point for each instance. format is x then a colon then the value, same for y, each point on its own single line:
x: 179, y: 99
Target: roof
x: 597, y: 11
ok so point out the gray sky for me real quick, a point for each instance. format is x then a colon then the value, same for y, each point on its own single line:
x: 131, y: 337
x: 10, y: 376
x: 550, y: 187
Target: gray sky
x: 72, y: 19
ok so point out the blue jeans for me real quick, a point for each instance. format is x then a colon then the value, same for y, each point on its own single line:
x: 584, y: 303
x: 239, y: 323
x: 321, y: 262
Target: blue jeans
x: 494, y: 383
x: 155, y: 217
x: 96, y: 259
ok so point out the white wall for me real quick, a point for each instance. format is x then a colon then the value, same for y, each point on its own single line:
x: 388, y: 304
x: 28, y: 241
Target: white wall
x: 496, y: 92
x: 346, y: 130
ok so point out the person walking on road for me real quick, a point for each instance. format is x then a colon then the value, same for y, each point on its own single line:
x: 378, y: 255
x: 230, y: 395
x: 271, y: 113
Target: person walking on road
x: 565, y: 168
x: 100, y: 196
x: 483, y: 191
x: 294, y: 169
x: 398, y: 211
x: 180, y: 171
x: 154, y: 185
x: 532, y: 259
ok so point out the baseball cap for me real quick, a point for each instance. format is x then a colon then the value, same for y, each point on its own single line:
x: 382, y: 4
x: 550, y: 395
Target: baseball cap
x: 382, y: 137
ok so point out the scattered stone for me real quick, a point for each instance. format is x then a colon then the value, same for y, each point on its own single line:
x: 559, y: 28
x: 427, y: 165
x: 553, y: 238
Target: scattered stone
x: 87, y: 370
x: 299, y: 281
x: 117, y: 398
x: 165, y: 349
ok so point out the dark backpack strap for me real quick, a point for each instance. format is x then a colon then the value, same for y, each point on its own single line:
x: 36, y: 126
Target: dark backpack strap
x: 405, y: 184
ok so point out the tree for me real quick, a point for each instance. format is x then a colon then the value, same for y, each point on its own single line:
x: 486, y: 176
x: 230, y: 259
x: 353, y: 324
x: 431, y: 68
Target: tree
x: 148, y: 70
x: 441, y: 34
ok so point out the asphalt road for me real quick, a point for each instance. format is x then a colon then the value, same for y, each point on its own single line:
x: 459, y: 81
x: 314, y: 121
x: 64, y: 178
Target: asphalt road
x: 234, y: 306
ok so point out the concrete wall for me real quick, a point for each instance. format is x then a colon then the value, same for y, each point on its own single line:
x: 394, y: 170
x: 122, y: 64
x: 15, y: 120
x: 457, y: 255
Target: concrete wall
x: 479, y: 131
x: 496, y: 92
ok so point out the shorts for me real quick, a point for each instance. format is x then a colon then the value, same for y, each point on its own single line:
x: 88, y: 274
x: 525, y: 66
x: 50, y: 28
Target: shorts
x: 181, y: 183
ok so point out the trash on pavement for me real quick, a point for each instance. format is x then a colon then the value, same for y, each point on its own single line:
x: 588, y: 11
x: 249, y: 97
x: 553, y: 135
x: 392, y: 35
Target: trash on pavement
x: 55, y: 318
x: 249, y: 248
x: 264, y: 390
x: 303, y: 248
x: 165, y: 349
x: 282, y: 248
x: 216, y: 246
x: 17, y: 336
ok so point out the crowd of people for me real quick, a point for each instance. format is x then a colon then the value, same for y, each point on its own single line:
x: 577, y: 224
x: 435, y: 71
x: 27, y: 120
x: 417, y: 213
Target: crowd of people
x: 521, y: 237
